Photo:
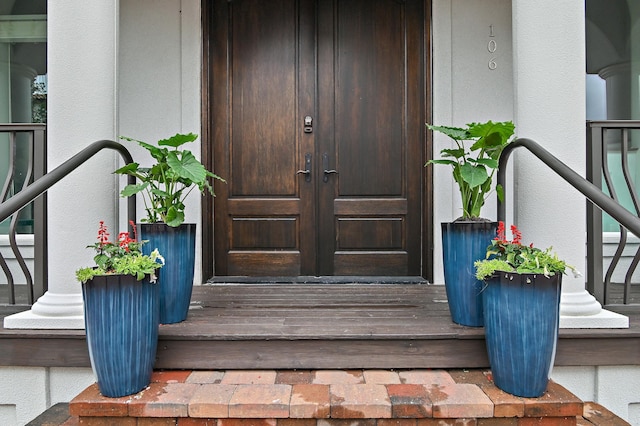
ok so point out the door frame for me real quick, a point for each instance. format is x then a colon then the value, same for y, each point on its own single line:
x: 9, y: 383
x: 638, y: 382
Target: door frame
x: 207, y: 147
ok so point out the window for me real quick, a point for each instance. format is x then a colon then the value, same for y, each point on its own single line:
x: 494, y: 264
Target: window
x: 613, y: 82
x: 23, y: 85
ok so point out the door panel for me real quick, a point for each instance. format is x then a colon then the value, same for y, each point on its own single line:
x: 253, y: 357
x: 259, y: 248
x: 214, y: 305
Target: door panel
x: 263, y: 63
x: 266, y: 72
x: 369, y: 97
x: 355, y: 207
x: 374, y: 109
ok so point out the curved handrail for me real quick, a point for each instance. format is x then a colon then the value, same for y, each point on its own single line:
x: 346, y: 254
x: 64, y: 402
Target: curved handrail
x: 40, y: 186
x: 589, y: 190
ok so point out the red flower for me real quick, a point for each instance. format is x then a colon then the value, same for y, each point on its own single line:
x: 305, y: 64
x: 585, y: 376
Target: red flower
x: 103, y: 235
x: 135, y: 231
x: 501, y: 237
x: 124, y: 240
x: 517, y: 235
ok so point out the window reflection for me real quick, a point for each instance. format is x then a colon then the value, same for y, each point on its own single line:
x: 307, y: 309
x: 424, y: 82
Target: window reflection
x: 23, y: 86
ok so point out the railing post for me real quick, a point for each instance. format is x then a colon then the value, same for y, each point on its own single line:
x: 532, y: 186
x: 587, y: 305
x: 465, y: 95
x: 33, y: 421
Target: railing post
x: 595, y: 285
x: 40, y: 272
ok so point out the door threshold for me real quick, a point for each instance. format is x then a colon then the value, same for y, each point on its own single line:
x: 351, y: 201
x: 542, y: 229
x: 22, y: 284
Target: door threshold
x: 317, y: 280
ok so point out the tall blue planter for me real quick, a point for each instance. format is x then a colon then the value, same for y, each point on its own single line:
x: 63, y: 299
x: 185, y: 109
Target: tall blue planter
x: 121, y: 318
x: 178, y: 247
x: 464, y: 242
x: 521, y: 315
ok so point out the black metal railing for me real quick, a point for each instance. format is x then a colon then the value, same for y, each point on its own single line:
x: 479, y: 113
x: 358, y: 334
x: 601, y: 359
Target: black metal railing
x: 598, y: 200
x: 612, y: 148
x: 39, y: 187
x: 22, y: 161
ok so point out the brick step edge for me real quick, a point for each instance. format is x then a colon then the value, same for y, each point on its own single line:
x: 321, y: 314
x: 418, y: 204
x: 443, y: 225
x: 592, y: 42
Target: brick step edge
x: 58, y: 415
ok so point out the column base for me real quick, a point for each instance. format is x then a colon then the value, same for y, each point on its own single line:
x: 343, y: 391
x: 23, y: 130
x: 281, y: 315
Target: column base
x: 603, y: 319
x: 582, y: 310
x: 51, y: 311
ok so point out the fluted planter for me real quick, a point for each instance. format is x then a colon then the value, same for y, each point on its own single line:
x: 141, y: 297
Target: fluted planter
x: 178, y: 246
x: 464, y: 242
x: 121, y: 322
x: 521, y: 315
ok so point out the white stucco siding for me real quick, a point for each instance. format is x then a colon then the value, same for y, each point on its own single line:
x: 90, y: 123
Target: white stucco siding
x: 159, y: 66
x: 472, y: 82
x: 25, y: 392
x: 149, y: 89
x: 615, y: 387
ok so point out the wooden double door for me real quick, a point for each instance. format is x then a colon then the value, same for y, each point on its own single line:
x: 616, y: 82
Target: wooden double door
x: 318, y: 113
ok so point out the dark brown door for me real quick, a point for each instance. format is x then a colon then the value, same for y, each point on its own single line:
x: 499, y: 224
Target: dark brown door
x: 318, y: 112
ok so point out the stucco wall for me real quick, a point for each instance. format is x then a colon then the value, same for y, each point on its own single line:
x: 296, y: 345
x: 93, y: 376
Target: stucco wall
x: 614, y: 387
x: 25, y: 392
x: 467, y: 87
x: 159, y: 62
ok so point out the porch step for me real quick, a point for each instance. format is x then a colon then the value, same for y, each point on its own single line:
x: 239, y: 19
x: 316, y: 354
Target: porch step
x: 332, y: 397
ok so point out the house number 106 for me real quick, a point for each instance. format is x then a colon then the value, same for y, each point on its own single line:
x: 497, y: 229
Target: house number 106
x: 492, y: 46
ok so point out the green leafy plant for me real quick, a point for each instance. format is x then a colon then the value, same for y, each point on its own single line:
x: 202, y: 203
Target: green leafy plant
x: 166, y: 184
x: 512, y: 256
x: 122, y: 257
x: 474, y: 167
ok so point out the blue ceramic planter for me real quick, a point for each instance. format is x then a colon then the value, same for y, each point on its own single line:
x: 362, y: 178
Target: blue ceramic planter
x: 121, y: 322
x: 177, y: 246
x: 521, y: 315
x: 462, y: 244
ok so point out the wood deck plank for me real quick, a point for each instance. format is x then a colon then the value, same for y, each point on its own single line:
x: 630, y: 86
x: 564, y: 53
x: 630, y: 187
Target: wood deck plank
x: 319, y: 326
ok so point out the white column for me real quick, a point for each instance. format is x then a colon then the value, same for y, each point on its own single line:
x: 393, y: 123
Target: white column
x: 618, y: 80
x: 82, y: 42
x: 549, y: 78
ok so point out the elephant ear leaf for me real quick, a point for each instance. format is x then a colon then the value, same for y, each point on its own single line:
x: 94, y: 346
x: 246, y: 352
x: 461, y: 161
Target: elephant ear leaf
x: 178, y: 139
x: 187, y: 166
x: 130, y: 190
x: 455, y: 133
x: 500, y: 192
x: 473, y: 175
x: 128, y: 169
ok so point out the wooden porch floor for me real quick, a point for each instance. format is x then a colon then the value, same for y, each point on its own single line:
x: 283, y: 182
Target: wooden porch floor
x: 315, y: 326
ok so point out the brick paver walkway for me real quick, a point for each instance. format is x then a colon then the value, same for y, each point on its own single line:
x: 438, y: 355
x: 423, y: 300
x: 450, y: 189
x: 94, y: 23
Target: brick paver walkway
x: 327, y: 397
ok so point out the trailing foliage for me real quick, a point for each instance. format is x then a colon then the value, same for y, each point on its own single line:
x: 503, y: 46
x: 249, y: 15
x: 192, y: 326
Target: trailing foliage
x: 512, y: 256
x: 473, y: 168
x: 166, y: 184
x: 121, y: 257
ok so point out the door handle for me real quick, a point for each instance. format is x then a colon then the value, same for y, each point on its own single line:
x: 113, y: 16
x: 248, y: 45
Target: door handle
x: 325, y: 165
x: 307, y: 168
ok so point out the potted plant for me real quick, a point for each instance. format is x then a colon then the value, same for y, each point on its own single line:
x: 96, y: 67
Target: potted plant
x: 165, y: 185
x: 521, y: 302
x: 465, y: 239
x: 121, y: 312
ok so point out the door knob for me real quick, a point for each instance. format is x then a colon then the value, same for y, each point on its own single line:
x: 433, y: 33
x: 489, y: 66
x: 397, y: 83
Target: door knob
x: 307, y: 168
x: 325, y: 165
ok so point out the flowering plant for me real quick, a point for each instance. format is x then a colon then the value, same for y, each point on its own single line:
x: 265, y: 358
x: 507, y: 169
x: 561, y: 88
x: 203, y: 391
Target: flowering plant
x: 167, y: 183
x: 121, y: 257
x: 513, y: 256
